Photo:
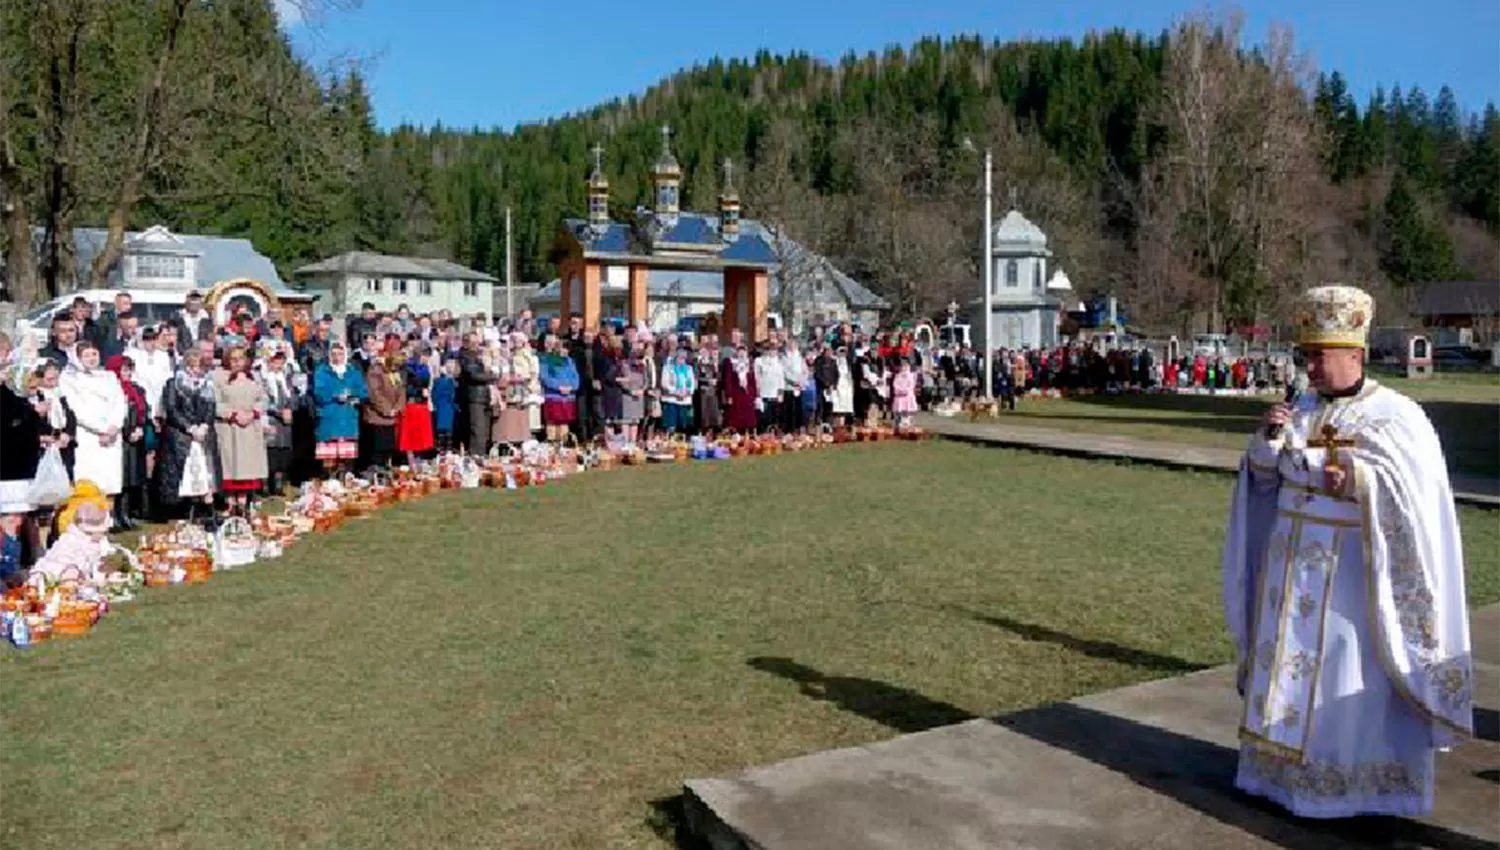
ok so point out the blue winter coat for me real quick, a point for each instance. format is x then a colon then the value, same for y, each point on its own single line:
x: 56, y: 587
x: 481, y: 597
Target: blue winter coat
x: 338, y: 420
x: 558, y: 372
x: 444, y: 404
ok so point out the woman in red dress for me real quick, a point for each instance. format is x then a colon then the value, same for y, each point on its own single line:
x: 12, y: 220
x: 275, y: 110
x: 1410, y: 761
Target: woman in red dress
x: 739, y: 391
x: 414, y: 428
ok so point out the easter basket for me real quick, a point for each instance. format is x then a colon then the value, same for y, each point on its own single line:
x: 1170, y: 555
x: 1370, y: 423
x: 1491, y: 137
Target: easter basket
x: 236, y: 544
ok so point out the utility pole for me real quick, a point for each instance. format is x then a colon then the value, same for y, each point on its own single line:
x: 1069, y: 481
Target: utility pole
x: 510, y: 271
x: 989, y: 271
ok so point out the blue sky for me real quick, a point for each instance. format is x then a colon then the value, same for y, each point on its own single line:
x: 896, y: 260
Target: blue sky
x: 500, y: 62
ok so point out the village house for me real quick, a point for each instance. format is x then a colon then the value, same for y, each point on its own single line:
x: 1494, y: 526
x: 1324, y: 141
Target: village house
x: 341, y: 284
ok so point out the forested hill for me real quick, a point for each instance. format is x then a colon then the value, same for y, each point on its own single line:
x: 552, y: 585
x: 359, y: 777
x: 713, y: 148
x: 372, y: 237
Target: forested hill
x: 1175, y: 170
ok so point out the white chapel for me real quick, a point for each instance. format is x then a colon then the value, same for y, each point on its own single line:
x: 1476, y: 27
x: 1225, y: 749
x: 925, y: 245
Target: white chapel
x: 1024, y: 309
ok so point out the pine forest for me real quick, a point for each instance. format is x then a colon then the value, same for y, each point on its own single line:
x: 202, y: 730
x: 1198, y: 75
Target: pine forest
x: 1181, y: 171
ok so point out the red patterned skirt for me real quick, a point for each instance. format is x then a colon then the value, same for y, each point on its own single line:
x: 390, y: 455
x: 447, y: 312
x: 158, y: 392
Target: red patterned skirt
x: 559, y: 411
x: 338, y: 450
x: 414, y: 430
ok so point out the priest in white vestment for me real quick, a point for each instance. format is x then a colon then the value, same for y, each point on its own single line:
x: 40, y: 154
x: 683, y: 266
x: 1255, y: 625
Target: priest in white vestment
x: 1344, y: 587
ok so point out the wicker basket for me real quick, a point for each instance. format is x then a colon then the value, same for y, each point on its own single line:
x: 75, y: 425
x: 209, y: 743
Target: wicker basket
x: 74, y: 618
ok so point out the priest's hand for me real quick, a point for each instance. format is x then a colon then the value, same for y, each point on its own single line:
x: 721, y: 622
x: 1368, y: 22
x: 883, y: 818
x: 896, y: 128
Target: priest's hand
x: 1277, y: 417
x: 1336, y: 479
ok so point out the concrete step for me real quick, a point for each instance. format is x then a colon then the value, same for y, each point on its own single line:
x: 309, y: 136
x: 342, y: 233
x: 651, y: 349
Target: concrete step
x: 1148, y: 766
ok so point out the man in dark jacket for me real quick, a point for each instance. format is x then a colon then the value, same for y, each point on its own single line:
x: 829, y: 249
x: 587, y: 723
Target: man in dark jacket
x: 365, y: 323
x: 62, y: 337
x: 585, y: 354
x: 121, y: 336
x: 476, y: 381
x: 82, y: 314
x: 193, y: 323
x: 314, y: 350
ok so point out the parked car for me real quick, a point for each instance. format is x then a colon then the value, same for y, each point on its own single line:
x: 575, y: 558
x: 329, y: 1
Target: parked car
x: 151, y: 305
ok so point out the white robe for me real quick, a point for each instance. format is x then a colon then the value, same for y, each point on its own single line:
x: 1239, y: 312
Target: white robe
x: 98, y: 402
x: 153, y: 370
x: 1348, y: 613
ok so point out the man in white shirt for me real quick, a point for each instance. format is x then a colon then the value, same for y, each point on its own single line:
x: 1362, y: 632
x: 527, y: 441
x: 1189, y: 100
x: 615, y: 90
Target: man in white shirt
x: 770, y: 382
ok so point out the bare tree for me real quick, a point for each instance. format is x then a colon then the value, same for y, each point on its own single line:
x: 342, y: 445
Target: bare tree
x: 145, y: 132
x: 789, y: 210
x: 1241, y: 150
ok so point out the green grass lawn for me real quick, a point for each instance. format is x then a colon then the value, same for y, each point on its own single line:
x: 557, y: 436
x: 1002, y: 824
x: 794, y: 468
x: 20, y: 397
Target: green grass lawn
x: 544, y: 668
x: 1464, y: 408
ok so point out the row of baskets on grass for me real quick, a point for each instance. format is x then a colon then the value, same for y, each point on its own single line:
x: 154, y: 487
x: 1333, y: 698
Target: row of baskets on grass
x: 70, y: 604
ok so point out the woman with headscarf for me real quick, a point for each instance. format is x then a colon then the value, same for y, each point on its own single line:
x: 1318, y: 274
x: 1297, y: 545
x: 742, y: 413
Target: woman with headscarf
x: 739, y: 391
x: 794, y: 371
x: 414, y: 437
x: 651, y: 382
x: 679, y: 381
x: 338, y: 390
x: 282, y: 401
x: 187, y: 455
x: 240, y: 405
x: 58, y: 426
x: 527, y: 373
x: 133, y: 445
x: 508, y: 398
x: 96, y: 400
x: 710, y: 416
x: 625, y: 391
x: 839, y: 390
x: 387, y: 386
x: 559, y: 380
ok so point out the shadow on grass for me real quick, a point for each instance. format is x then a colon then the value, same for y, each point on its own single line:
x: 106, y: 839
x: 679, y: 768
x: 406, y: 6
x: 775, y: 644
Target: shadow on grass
x: 1102, y: 649
x: 1200, y: 775
x: 898, y: 708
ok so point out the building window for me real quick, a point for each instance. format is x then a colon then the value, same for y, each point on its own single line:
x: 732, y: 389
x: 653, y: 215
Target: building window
x: 372, y: 284
x: 818, y: 287
x: 424, y: 287
x: 160, y: 267
x: 1012, y: 272
x: 1036, y: 277
x: 471, y: 289
x: 398, y: 287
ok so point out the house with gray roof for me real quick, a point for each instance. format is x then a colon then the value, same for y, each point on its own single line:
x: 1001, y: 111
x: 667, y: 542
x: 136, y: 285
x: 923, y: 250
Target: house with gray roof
x: 157, y: 258
x: 343, y: 283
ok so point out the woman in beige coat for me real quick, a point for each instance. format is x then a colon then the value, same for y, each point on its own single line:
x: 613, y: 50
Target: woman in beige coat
x: 239, y: 403
x: 527, y: 372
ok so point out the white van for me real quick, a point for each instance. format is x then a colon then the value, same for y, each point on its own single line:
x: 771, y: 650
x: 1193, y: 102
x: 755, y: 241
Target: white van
x: 150, y: 305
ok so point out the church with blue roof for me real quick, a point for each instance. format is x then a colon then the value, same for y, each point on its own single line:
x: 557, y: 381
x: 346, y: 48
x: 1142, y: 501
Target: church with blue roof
x: 664, y: 263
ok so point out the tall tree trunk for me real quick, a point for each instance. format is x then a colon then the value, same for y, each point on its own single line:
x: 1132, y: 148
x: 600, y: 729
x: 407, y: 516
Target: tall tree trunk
x: 148, y: 112
x: 57, y: 269
x: 20, y: 269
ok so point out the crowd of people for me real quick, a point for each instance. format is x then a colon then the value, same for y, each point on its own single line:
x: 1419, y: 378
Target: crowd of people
x: 191, y: 418
x: 194, y: 418
x: 1079, y: 368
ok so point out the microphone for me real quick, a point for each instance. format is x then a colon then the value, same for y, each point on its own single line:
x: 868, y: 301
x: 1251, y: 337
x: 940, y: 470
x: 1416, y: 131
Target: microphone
x: 1296, y: 387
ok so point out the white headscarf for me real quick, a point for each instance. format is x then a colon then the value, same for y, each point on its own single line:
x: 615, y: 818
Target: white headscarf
x: 57, y: 418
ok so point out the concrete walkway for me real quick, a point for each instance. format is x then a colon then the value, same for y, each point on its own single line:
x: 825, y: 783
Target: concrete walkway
x: 1467, y: 490
x: 1148, y: 766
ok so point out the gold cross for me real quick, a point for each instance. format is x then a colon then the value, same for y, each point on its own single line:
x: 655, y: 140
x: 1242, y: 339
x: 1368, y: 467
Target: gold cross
x: 1331, y: 443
